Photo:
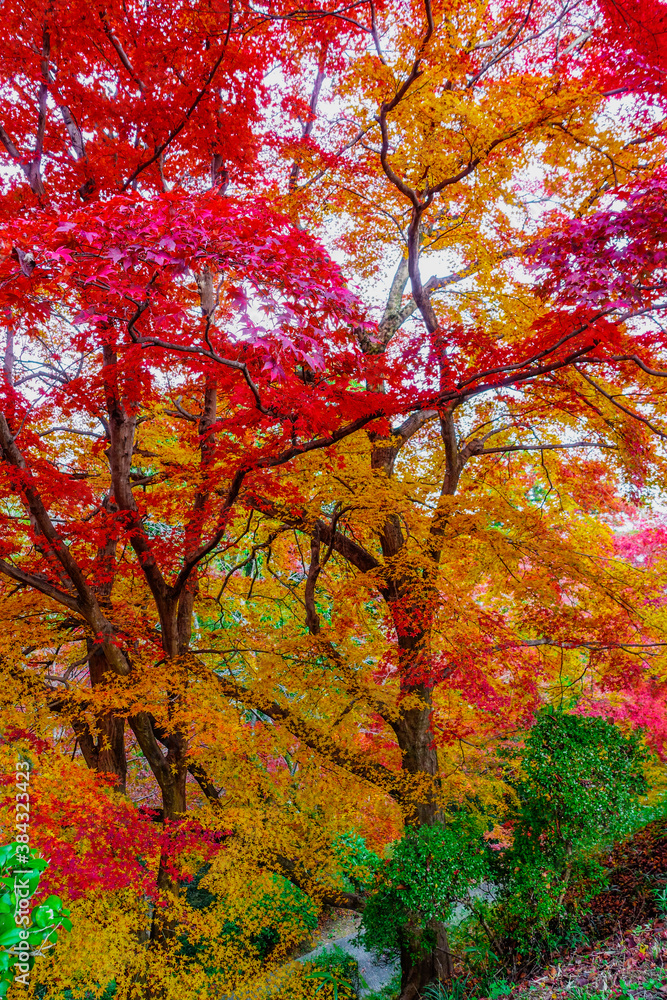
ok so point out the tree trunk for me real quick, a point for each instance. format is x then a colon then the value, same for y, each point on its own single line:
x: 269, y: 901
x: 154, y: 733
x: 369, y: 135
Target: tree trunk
x: 103, y: 746
x: 111, y: 758
x: 435, y: 966
x: 420, y: 761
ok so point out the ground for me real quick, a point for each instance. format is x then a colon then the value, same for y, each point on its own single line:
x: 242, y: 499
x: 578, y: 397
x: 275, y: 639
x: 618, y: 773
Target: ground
x: 627, y: 964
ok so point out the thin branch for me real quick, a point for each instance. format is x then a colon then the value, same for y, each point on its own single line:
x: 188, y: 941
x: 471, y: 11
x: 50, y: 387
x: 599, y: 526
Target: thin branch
x: 120, y: 51
x: 71, y: 430
x: 394, y: 783
x: 188, y: 114
x: 619, y: 406
x: 543, y: 447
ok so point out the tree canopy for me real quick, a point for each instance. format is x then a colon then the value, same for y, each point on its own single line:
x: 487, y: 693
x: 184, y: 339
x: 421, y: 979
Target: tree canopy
x: 332, y: 438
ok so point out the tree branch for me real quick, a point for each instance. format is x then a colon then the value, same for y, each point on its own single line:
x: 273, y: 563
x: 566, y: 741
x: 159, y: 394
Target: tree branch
x: 500, y: 450
x: 619, y: 406
x: 42, y: 585
x: 392, y: 782
x: 188, y: 114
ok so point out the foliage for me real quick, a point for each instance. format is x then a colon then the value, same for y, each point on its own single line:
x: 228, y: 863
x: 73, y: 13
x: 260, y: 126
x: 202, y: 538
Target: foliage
x: 388, y: 992
x: 357, y: 863
x: 634, y: 869
x: 455, y: 990
x: 431, y: 868
x: 276, y: 914
x: 336, y: 973
x: 292, y: 537
x: 499, y: 988
x: 578, y: 776
x: 25, y: 931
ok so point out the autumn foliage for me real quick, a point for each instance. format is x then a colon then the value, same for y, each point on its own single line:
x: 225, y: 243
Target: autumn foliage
x: 332, y: 445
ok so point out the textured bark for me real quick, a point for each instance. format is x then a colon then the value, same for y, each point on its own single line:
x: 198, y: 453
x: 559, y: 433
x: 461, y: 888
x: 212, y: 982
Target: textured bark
x: 436, y: 966
x: 170, y: 769
x: 104, y: 748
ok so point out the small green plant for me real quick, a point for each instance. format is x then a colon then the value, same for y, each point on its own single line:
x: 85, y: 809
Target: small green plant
x: 389, y: 992
x: 25, y: 932
x: 661, y: 900
x: 499, y: 988
x: 329, y: 977
x: 337, y: 969
x: 652, y: 985
x: 455, y: 990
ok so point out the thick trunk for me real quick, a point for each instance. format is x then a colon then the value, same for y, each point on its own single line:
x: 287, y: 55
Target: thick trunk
x: 111, y: 757
x: 426, y: 959
x: 435, y: 966
x: 420, y: 761
x: 103, y: 744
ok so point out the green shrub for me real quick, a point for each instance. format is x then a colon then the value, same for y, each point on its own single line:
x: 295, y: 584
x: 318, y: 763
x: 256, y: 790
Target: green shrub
x: 576, y: 780
x: 580, y: 777
x: 336, y: 972
x: 431, y: 869
x: 358, y: 865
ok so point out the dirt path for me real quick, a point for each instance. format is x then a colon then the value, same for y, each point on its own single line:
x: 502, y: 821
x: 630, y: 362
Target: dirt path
x: 342, y: 932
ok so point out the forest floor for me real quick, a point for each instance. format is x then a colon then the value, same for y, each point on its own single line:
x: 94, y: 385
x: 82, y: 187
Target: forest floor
x: 629, y: 964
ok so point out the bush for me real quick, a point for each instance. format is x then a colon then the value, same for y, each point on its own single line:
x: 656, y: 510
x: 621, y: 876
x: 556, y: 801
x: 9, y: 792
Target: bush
x: 580, y: 777
x: 336, y: 974
x: 358, y: 865
x: 432, y: 868
x: 577, y: 779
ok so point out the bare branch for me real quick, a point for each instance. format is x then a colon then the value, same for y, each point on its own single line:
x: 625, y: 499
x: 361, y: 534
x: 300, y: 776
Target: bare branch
x: 122, y: 55
x: 500, y: 450
x: 619, y: 406
x: 71, y: 430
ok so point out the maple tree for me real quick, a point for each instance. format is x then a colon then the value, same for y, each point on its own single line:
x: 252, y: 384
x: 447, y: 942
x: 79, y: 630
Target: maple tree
x: 283, y: 531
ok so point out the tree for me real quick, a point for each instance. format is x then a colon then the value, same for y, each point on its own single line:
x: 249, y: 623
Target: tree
x: 458, y: 124
x: 214, y: 398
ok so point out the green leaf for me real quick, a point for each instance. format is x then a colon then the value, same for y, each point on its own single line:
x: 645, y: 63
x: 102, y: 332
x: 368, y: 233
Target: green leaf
x: 9, y: 938
x: 43, y: 915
